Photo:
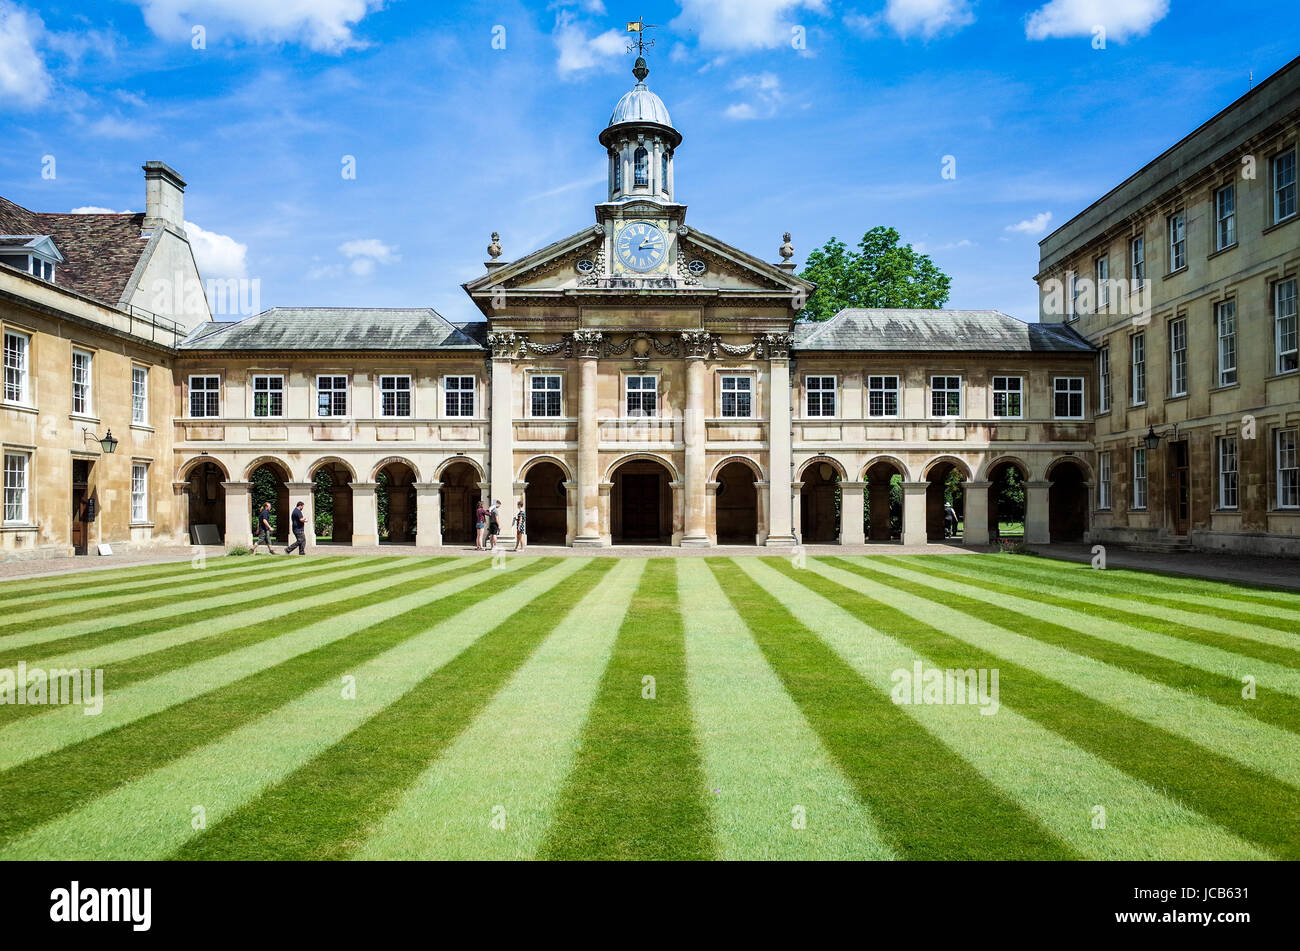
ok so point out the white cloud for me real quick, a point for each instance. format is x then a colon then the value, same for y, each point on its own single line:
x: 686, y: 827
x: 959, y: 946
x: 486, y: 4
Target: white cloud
x: 24, y: 81
x: 97, y: 210
x: 927, y: 18
x: 324, y: 25
x: 366, y: 254
x: 1122, y: 19
x: 743, y: 24
x: 115, y: 127
x: 862, y: 23
x: 764, y: 96
x: 578, y: 51
x: 1035, y: 225
x: 217, y: 255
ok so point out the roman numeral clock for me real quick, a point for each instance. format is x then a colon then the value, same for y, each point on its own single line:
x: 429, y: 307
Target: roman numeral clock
x: 641, y: 246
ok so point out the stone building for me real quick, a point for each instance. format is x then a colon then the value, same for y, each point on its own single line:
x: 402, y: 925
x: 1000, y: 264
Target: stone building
x: 1185, y: 278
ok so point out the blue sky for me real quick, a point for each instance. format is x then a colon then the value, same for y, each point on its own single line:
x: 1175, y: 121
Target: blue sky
x: 454, y: 137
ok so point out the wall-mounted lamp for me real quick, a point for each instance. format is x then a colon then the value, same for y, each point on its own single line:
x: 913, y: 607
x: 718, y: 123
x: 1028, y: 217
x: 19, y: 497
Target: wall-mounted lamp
x: 108, y: 443
x: 1152, y: 439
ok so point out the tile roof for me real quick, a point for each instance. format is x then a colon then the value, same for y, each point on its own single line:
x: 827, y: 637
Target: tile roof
x: 333, y: 328
x: 935, y: 330
x: 100, y: 251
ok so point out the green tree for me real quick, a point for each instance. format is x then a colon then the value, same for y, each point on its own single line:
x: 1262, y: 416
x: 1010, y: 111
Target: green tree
x: 880, y: 273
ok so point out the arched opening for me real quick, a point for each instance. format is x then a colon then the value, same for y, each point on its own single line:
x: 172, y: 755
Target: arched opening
x: 945, y: 501
x: 395, y: 502
x: 1007, y: 500
x: 884, y: 505
x: 640, y: 503
x: 546, y: 503
x: 332, y: 502
x: 819, y: 503
x: 459, y: 500
x: 269, y: 482
x: 207, y: 503
x: 641, y: 167
x: 736, y: 507
x: 1067, y: 502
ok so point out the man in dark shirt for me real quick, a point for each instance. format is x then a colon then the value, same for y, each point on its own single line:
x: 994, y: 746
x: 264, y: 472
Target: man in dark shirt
x: 299, y: 531
x: 264, y: 529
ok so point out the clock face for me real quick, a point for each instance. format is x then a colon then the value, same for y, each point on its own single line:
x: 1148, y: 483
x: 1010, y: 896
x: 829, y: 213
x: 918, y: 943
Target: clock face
x: 640, y: 246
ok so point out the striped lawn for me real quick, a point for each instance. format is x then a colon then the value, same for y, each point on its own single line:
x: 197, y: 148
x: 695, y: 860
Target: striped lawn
x: 733, y: 708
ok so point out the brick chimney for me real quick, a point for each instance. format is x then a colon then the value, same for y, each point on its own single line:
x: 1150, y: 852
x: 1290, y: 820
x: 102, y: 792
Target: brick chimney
x: 164, y: 197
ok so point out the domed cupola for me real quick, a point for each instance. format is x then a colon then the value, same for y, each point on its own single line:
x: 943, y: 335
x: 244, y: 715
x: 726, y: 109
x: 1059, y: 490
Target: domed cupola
x: 640, y: 140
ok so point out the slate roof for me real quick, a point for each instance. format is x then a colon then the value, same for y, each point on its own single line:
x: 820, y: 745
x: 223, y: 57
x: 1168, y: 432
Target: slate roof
x: 99, y: 251
x: 333, y: 328
x: 917, y: 330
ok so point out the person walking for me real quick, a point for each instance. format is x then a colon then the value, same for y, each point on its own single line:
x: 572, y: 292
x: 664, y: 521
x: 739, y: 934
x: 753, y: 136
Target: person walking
x: 480, y: 525
x: 299, y: 531
x: 263, y: 529
x: 494, y: 524
x: 520, y: 523
x: 949, y: 521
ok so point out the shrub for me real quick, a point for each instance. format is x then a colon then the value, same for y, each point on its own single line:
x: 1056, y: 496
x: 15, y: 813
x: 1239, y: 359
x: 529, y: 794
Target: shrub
x: 1014, y: 546
x: 238, y: 550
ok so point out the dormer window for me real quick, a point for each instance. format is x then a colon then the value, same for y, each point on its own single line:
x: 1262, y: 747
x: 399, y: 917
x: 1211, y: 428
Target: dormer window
x: 35, y: 254
x: 641, y: 166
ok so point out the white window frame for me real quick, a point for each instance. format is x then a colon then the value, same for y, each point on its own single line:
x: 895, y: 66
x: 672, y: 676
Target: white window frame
x: 1176, y: 229
x: 448, y: 389
x: 139, y: 492
x: 139, y: 395
x: 1285, y: 326
x: 821, y: 390
x: 1101, y: 274
x: 1103, y: 379
x: 1137, y: 256
x: 17, y: 487
x: 1140, y: 478
x: 877, y: 385
x: 946, y: 389
x: 332, y: 392
x: 1287, y: 457
x: 1018, y: 391
x: 17, y: 364
x: 1137, y: 369
x: 83, y: 384
x: 640, y: 390
x: 1069, y: 392
x: 1076, y: 291
x: 545, y: 390
x: 1225, y: 217
x: 1284, y: 192
x: 397, y: 391
x: 1103, y: 480
x: 270, y: 392
x: 205, y: 390
x: 1177, y: 333
x: 1225, y: 315
x: 1227, y: 463
x: 736, y: 392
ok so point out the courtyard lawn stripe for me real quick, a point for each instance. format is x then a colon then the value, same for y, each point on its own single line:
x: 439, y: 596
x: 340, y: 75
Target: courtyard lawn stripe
x: 775, y: 790
x: 150, y: 817
x: 61, y: 780
x: 49, y: 642
x: 516, y: 754
x: 148, y: 655
x: 1217, y: 678
x: 1249, y: 802
x: 324, y: 809
x: 914, y: 785
x: 195, y: 585
x: 636, y: 790
x: 1045, y: 774
x: 72, y: 580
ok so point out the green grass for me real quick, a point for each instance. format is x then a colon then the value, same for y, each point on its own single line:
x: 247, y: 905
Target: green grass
x: 567, y: 708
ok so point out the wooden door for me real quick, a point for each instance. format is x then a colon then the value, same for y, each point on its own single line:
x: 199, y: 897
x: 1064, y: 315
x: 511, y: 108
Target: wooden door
x: 1181, y: 489
x: 80, y: 527
x: 640, y: 493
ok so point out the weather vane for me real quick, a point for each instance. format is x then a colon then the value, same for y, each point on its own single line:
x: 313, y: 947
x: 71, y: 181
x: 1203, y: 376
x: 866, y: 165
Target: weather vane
x: 642, y: 44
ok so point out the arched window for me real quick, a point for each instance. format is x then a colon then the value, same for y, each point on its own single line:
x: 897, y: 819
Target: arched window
x: 663, y: 177
x: 641, y: 165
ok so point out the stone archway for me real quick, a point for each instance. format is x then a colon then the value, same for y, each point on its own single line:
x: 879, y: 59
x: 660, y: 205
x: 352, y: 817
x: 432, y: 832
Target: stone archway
x: 332, y: 507
x: 736, y: 505
x: 269, y: 482
x: 1007, y: 498
x: 945, y: 477
x: 206, y: 497
x: 546, y: 504
x: 640, y: 503
x: 884, y: 508
x: 1067, y: 502
x: 819, y: 502
x: 395, y: 501
x: 460, y: 495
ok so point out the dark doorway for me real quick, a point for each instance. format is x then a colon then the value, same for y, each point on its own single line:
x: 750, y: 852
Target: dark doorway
x: 737, y: 505
x: 207, y: 498
x: 1067, y: 503
x: 640, y: 505
x: 945, y: 501
x: 270, y: 483
x: 460, y: 494
x: 80, y: 505
x: 884, y: 503
x: 546, y: 503
x: 333, y: 503
x: 395, y: 503
x: 1006, y: 505
x: 1180, y: 488
x: 819, y: 501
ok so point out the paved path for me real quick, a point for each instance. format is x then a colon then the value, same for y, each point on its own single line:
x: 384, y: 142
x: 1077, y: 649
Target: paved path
x: 1213, y: 566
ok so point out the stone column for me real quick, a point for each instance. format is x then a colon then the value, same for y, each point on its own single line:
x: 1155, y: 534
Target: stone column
x: 503, y: 430
x: 570, y: 511
x: 1037, y: 531
x: 914, y: 530
x: 783, y: 507
x: 975, y: 525
x: 678, y: 489
x: 762, y: 501
x: 711, y: 511
x: 180, y: 522
x: 239, y: 514
x: 365, y: 514
x: 695, y: 530
x: 851, y: 513
x: 428, y: 514
x: 304, y: 492
x: 587, y: 344
x: 606, y: 534
x: 796, y: 514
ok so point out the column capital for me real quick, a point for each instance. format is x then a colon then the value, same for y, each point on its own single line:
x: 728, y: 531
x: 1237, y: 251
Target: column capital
x: 506, y: 344
x: 697, y: 343
x: 236, y: 486
x: 300, y: 486
x: 915, y: 486
x: 588, y: 343
x: 976, y: 485
x: 774, y: 346
x: 426, y: 486
x: 364, y: 486
x: 853, y: 485
x: 1037, y: 484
